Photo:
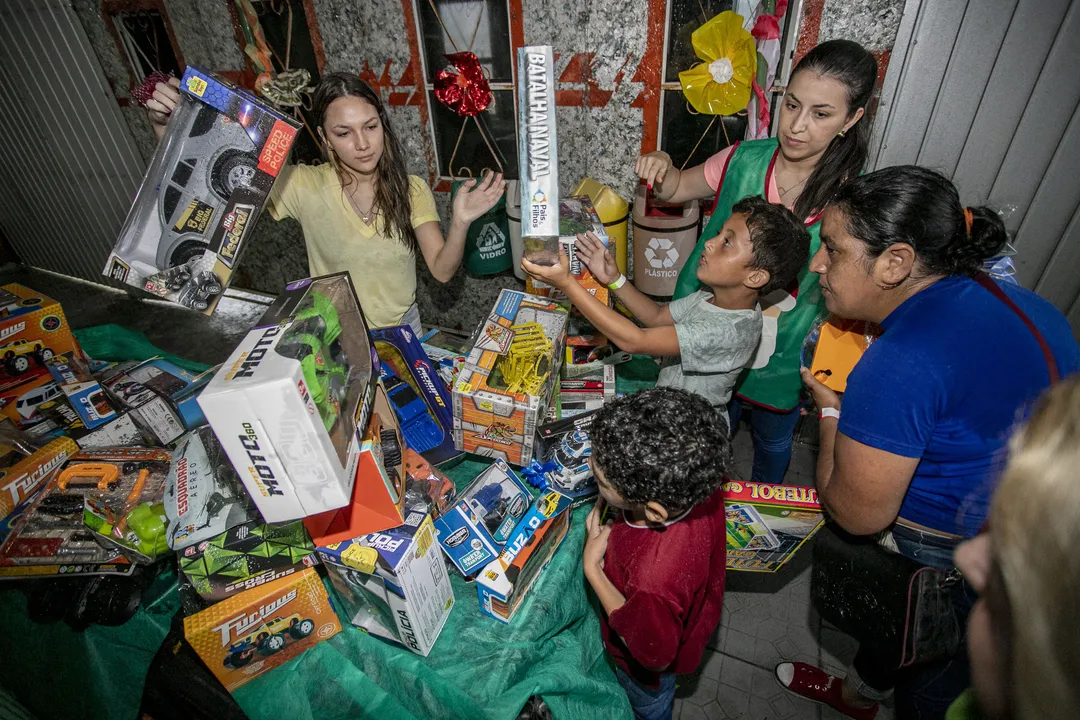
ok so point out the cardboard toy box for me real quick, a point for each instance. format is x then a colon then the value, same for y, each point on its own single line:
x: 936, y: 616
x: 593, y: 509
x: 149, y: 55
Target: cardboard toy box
x: 563, y: 450
x: 84, y: 394
x: 290, y: 404
x: 32, y: 330
x: 474, y: 530
x: 422, y: 403
x: 394, y: 584
x: 507, y: 579
x: 25, y: 477
x: 246, y: 556
x: 576, y: 215
x: 159, y: 395
x: 209, y: 179
x: 490, y: 417
x: 767, y: 524
x: 22, y: 400
x: 258, y: 630
x: 538, y: 148
x: 581, y: 395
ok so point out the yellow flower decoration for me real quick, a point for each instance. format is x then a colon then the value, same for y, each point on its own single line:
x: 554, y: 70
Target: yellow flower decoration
x: 720, y: 84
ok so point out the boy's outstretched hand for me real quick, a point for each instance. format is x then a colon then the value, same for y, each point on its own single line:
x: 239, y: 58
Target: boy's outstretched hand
x: 596, y: 538
x: 597, y: 258
x: 555, y: 275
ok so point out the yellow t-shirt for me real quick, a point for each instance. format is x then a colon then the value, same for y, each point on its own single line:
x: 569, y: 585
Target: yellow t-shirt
x: 382, y: 269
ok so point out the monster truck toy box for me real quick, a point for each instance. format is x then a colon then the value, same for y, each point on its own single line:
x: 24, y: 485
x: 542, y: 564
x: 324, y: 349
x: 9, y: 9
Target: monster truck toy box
x: 496, y: 415
x: 262, y: 628
x: 394, y: 584
x: 506, y: 580
x: 206, y: 185
x: 290, y: 404
x: 421, y: 401
x: 32, y: 330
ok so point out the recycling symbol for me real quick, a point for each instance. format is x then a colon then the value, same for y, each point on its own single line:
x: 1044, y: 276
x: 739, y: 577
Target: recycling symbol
x: 491, y: 240
x: 661, y: 254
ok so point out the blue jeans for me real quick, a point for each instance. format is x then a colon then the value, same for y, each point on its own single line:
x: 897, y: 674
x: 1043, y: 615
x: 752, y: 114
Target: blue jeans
x: 649, y: 703
x: 772, y: 434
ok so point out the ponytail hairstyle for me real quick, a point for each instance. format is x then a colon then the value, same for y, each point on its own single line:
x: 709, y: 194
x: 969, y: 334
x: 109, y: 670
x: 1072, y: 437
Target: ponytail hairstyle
x: 855, y: 68
x: 393, y: 199
x: 920, y: 207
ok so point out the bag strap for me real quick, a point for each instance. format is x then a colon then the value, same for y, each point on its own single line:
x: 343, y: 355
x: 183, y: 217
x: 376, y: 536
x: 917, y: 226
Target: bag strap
x: 1051, y: 364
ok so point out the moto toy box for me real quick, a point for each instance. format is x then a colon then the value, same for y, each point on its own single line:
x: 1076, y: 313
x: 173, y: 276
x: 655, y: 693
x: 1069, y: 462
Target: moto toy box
x: 203, y: 495
x: 378, y: 494
x: 474, y: 530
x: 32, y: 329
x: 258, y: 630
x: 507, y: 579
x: 394, y: 583
x: 291, y: 403
x: 503, y: 390
x: 206, y: 185
x: 246, y: 556
x: 422, y: 403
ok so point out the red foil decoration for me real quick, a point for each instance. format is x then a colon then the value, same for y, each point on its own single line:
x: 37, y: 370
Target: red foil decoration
x: 462, y: 86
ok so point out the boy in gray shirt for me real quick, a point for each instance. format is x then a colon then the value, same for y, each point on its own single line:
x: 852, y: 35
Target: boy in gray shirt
x: 705, y: 338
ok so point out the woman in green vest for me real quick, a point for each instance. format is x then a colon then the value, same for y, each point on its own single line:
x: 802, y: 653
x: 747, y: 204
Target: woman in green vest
x: 821, y: 142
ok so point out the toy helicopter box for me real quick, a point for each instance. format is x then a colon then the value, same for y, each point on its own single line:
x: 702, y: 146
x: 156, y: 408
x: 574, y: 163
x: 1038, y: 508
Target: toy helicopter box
x: 576, y: 216
x: 291, y: 402
x: 503, y: 390
x: 473, y: 531
x: 767, y: 524
x: 421, y: 401
x: 394, y: 584
x: 507, y: 579
x: 203, y: 495
x: 206, y: 185
x: 246, y: 556
x: 32, y: 330
x: 258, y: 630
x: 378, y: 494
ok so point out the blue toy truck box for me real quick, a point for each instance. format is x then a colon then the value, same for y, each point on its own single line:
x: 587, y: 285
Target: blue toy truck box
x: 394, y: 583
x: 473, y: 531
x: 421, y: 401
x: 506, y: 580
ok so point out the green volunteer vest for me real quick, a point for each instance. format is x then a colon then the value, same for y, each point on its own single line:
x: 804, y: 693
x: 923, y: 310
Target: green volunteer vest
x: 777, y: 385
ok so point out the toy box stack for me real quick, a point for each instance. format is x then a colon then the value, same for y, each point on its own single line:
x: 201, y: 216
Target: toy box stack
x: 206, y: 185
x: 504, y: 388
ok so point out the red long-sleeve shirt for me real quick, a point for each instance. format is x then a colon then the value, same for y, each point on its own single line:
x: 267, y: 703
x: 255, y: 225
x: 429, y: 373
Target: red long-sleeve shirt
x: 673, y: 582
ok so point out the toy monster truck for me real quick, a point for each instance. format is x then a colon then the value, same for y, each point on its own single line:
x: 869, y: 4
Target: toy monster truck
x: 421, y: 432
x: 17, y: 355
x: 195, y: 287
x: 268, y: 639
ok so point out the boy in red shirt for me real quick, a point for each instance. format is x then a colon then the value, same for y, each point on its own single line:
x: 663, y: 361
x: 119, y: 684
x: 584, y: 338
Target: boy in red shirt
x: 658, y: 570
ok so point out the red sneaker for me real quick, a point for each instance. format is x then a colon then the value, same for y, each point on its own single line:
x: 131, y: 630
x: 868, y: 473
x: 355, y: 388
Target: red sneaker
x: 813, y: 684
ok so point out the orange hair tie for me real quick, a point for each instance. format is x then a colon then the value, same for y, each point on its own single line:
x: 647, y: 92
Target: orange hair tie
x: 967, y: 221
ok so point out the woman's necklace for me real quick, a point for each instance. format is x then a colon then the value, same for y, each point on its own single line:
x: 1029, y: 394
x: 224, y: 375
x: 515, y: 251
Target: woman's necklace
x: 366, y: 215
x: 785, y: 191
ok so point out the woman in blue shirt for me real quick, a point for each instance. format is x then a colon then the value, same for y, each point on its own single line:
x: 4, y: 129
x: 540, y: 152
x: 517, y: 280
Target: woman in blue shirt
x: 929, y: 408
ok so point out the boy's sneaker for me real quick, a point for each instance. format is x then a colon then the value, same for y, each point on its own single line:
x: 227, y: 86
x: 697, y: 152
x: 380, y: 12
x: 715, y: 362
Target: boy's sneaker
x: 813, y: 684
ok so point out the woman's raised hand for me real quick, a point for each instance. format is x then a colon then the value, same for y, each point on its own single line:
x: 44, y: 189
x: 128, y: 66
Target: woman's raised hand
x: 653, y: 167
x: 161, y: 105
x: 474, y: 199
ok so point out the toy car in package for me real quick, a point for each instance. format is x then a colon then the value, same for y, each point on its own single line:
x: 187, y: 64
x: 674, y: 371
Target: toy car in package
x: 291, y: 403
x: 159, y: 395
x: 102, y: 511
x: 206, y: 185
x: 203, y: 495
x: 475, y: 529
x: 562, y: 464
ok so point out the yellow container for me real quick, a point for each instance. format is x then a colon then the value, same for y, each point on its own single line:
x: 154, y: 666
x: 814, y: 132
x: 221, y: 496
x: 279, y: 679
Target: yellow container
x: 614, y: 213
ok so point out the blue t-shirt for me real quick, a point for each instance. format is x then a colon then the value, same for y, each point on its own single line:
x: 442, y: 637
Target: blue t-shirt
x: 947, y: 382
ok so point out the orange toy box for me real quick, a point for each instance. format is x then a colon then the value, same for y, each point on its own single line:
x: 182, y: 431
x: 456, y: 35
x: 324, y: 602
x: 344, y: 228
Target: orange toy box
x: 32, y: 329
x: 504, y: 388
x: 378, y: 496
x: 26, y: 476
x: 259, y: 629
x: 840, y: 345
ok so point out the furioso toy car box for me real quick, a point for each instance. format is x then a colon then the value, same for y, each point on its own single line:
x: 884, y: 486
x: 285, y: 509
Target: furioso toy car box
x: 32, y: 329
x: 378, y: 493
x: 25, y: 477
x: 22, y: 400
x: 475, y: 529
x: 83, y: 392
x: 503, y: 390
x: 290, y: 404
x: 246, y: 556
x: 507, y: 579
x: 576, y: 216
x: 160, y: 395
x: 206, y: 185
x: 421, y: 401
x: 203, y: 495
x: 258, y: 630
x: 394, y: 583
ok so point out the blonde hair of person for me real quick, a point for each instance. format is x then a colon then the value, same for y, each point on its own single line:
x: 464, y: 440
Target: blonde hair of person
x: 1035, y: 536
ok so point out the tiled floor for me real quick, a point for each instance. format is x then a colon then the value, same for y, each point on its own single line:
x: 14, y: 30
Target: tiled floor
x: 767, y: 619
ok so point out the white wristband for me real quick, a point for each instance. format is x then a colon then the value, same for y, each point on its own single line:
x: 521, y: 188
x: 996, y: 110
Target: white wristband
x: 617, y: 282
x: 829, y: 412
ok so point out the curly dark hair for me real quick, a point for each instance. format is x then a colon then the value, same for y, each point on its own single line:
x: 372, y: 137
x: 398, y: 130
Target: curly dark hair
x: 662, y: 445
x: 781, y: 241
